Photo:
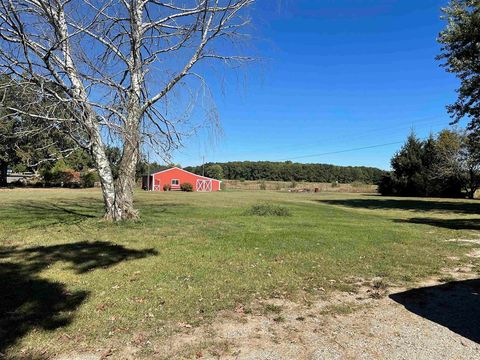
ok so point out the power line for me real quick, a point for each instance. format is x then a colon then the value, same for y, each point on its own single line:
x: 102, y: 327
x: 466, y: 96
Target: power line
x: 344, y: 151
x: 411, y: 123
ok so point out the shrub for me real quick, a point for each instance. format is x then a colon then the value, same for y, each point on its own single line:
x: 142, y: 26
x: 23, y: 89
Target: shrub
x: 263, y: 185
x: 61, y: 175
x: 268, y: 210
x: 358, y: 184
x: 167, y: 187
x: 186, y: 187
x: 387, y: 185
x: 334, y: 184
x: 223, y: 186
x: 293, y: 184
x: 65, y: 178
x: 88, y: 179
x: 16, y: 183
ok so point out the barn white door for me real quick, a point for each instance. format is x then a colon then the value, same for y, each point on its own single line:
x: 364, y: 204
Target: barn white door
x: 204, y: 185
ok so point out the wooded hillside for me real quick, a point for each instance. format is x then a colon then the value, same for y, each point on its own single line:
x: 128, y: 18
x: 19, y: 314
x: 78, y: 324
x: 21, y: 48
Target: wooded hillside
x: 289, y: 171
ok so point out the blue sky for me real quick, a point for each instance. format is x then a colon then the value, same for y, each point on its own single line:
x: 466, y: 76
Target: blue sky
x: 334, y: 75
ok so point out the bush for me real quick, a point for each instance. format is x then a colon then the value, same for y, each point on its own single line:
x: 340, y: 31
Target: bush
x: 186, y: 187
x: 387, y: 185
x: 263, y: 185
x: 358, y: 184
x: 61, y: 175
x: 223, y: 186
x: 88, y: 179
x: 17, y: 183
x: 293, y: 184
x: 167, y: 187
x: 65, y: 178
x: 268, y: 210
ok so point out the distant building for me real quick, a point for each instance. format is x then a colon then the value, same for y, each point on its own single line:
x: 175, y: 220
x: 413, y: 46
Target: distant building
x: 175, y: 177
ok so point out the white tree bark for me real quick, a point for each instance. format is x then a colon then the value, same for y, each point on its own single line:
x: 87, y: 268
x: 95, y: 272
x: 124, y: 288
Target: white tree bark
x: 112, y: 66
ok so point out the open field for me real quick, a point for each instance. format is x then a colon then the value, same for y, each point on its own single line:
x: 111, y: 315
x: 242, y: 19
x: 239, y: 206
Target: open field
x: 298, y: 186
x: 70, y: 282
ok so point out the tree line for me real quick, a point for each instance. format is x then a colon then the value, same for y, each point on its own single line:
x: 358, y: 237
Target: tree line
x: 288, y: 171
x: 445, y: 165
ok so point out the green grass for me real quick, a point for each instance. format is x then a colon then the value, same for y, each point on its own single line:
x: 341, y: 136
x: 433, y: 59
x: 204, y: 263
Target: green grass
x: 70, y: 282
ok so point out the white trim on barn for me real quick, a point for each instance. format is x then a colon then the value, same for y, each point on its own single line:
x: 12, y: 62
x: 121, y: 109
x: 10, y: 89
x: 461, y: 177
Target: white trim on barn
x: 204, y: 185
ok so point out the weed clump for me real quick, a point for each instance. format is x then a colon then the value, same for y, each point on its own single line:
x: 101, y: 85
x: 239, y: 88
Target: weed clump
x: 268, y: 210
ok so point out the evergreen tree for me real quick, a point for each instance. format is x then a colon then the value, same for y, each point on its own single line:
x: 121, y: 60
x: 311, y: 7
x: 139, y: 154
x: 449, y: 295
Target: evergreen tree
x: 408, y: 167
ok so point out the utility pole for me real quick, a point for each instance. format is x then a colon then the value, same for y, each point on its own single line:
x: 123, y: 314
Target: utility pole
x: 203, y: 166
x: 148, y: 171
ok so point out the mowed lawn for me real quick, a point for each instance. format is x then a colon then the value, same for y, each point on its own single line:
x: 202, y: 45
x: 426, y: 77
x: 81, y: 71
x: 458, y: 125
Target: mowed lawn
x: 70, y: 282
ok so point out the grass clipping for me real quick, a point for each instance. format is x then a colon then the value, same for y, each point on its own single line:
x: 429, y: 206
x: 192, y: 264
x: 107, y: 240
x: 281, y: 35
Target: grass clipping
x: 267, y: 209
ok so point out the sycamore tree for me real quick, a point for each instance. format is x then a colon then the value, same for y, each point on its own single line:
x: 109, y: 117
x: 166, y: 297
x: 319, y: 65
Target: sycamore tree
x: 117, y: 69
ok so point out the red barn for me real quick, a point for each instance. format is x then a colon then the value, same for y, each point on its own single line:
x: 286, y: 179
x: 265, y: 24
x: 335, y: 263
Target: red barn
x: 175, y: 177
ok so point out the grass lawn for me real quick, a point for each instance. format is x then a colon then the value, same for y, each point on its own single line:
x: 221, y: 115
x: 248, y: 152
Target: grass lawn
x: 69, y: 282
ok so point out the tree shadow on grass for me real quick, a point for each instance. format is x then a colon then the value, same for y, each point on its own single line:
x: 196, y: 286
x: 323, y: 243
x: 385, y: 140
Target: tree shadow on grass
x: 29, y: 302
x: 455, y: 305
x: 452, y: 224
x: 427, y: 205
x: 38, y: 214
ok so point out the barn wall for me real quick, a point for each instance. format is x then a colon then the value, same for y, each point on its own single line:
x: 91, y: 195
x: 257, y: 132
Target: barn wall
x: 167, y: 176
x: 215, y: 185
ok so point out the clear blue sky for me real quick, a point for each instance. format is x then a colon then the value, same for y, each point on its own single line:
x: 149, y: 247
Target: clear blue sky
x: 335, y: 75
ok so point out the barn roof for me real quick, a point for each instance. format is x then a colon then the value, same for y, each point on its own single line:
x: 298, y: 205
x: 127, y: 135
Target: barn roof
x: 175, y: 167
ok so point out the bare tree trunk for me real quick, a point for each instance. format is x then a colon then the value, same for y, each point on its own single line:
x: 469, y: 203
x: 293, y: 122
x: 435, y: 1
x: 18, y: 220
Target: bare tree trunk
x: 125, y: 184
x: 472, y: 186
x: 3, y: 173
x: 105, y: 174
x: 117, y: 196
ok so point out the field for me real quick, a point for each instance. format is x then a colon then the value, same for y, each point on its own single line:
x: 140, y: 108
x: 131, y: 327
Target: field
x: 299, y: 186
x: 70, y: 282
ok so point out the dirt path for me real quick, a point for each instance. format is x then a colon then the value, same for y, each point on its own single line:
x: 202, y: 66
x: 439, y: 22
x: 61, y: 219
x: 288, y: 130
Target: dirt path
x: 434, y: 320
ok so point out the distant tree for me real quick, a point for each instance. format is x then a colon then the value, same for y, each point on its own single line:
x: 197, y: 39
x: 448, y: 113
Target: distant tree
x: 448, y: 148
x: 408, y: 168
x: 461, y: 55
x: 7, y: 148
x: 445, y: 175
x: 458, y: 160
x: 114, y: 155
x: 288, y: 171
x: 27, y: 141
x: 447, y: 165
x: 214, y: 171
x: 79, y: 160
x: 172, y: 165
